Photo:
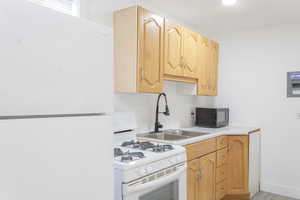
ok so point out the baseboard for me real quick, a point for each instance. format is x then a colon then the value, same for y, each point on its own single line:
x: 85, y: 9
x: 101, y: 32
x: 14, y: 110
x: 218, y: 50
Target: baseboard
x: 281, y: 190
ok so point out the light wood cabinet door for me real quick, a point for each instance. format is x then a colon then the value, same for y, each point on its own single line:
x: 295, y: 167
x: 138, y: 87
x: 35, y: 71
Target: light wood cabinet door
x: 150, y: 45
x: 201, y: 175
x: 203, y: 75
x: 238, y: 159
x: 214, y: 62
x: 208, y: 72
x: 173, y: 49
x: 190, y: 53
x: 193, y: 175
x: 207, y: 182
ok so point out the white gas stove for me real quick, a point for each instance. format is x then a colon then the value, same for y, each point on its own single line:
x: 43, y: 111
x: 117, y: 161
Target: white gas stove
x: 148, y: 170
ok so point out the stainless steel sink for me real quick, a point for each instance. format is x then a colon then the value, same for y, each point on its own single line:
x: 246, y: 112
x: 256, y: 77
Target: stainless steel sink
x: 172, y: 135
x: 163, y: 136
x: 185, y: 133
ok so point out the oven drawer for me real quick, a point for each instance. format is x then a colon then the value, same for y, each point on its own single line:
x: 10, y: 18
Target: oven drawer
x: 201, y: 148
x: 221, y: 173
x: 222, y: 156
x: 221, y: 190
x: 222, y: 142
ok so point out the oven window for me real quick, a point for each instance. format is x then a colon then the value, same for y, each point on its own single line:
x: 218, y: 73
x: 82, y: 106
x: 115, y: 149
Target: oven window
x: 167, y: 192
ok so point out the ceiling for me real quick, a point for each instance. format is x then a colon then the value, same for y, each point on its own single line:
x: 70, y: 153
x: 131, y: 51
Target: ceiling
x: 209, y: 16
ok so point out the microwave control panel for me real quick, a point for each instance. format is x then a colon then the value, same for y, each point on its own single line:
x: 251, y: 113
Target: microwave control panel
x: 293, y: 84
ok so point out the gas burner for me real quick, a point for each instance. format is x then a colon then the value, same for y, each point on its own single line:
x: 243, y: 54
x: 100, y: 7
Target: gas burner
x: 138, y: 145
x: 162, y: 148
x: 147, y: 146
x: 128, y: 143
x: 126, y: 158
x: 125, y: 155
x: 118, y: 152
x: 168, y: 147
x: 137, y: 154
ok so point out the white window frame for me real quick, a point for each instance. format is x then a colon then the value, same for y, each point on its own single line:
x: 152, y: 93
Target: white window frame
x: 46, y: 3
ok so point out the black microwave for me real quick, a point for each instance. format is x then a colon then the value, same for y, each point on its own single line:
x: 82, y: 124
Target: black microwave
x: 212, y: 117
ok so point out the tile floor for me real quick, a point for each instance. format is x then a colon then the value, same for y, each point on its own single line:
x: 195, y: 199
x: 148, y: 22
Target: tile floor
x: 270, y: 196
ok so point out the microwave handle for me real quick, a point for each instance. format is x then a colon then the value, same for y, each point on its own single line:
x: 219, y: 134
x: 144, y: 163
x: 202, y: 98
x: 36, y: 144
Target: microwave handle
x: 156, y: 183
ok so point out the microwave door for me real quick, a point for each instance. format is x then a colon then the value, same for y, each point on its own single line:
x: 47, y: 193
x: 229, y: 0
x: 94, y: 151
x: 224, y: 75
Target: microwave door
x: 221, y: 117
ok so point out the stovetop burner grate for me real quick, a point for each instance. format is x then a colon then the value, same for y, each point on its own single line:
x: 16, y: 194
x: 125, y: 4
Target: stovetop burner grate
x: 127, y: 156
x: 147, y: 146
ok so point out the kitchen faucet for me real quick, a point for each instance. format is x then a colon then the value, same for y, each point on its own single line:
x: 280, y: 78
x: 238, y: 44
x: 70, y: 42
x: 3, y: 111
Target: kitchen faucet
x: 158, y: 125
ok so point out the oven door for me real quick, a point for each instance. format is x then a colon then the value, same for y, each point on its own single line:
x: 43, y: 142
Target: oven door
x: 169, y: 184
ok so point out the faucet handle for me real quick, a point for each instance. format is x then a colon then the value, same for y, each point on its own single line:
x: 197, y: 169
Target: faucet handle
x: 160, y: 125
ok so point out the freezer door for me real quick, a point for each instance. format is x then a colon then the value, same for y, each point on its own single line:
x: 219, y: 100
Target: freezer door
x: 56, y: 158
x: 52, y: 63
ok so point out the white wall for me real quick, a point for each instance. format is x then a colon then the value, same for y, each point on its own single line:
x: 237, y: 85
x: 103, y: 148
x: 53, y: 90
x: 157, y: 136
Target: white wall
x: 144, y: 105
x: 252, y: 83
x: 101, y: 11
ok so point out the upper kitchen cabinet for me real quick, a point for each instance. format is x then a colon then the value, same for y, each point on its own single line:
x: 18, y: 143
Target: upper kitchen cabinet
x: 208, y: 72
x: 190, y: 54
x: 149, y: 49
x: 173, y: 65
x: 181, y: 53
x: 138, y: 51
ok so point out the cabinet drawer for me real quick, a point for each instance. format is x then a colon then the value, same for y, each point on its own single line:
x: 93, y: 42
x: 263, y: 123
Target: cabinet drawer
x: 201, y: 148
x: 222, y: 142
x: 222, y: 156
x: 221, y: 190
x: 221, y: 173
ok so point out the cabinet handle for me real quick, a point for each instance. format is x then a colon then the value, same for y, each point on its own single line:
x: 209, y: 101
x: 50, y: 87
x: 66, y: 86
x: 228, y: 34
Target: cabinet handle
x: 199, y: 174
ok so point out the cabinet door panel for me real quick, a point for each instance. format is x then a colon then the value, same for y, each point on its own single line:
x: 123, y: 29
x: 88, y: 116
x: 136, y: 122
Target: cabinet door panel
x: 193, y: 180
x: 173, y: 49
x: 238, y: 165
x: 208, y: 75
x: 204, y: 66
x: 214, y: 54
x: 207, y: 182
x: 190, y: 54
x: 150, y: 63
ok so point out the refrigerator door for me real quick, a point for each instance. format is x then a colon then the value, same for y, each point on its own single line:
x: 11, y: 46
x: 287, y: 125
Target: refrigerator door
x: 52, y: 63
x: 56, y: 158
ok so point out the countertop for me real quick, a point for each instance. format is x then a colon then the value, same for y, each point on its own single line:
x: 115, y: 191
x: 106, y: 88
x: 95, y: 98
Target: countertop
x: 213, y: 132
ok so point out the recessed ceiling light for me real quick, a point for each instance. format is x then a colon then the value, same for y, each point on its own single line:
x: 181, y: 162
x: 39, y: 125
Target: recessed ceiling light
x: 229, y: 2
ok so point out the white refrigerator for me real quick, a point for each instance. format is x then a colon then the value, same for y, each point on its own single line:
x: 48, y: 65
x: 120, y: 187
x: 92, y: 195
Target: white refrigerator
x: 55, y: 100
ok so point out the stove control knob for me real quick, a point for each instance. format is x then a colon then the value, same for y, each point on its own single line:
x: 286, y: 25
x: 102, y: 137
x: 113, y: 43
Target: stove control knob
x: 143, y: 171
x: 149, y: 169
x: 174, y: 160
x: 179, y: 159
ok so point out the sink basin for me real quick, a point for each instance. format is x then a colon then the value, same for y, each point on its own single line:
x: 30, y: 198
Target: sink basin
x: 185, y: 133
x: 172, y: 135
x: 163, y: 136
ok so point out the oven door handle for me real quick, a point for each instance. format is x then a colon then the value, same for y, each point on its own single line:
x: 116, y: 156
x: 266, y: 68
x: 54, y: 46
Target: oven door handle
x: 156, y: 183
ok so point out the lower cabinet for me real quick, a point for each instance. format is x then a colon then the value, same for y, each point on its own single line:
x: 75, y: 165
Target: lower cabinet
x: 202, y: 178
x: 238, y: 168
x: 221, y: 190
x: 218, y: 168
